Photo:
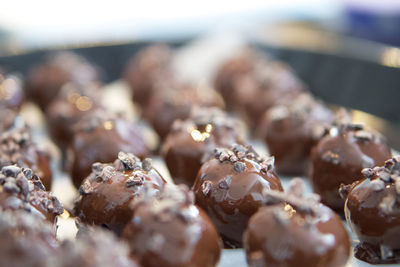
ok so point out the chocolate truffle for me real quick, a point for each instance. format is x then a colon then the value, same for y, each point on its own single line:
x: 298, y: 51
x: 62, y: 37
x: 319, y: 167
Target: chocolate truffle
x: 293, y: 230
x: 339, y: 158
x: 99, y: 137
x: 148, y: 68
x: 291, y: 129
x: 72, y: 103
x: 93, y: 248
x: 191, y: 142
x: 251, y: 84
x: 11, y: 91
x: 176, y: 102
x: 21, y: 189
x: 229, y: 188
x: 105, y: 195
x: 372, y: 210
x: 46, y: 79
x: 25, y: 239
x: 17, y: 147
x: 167, y: 229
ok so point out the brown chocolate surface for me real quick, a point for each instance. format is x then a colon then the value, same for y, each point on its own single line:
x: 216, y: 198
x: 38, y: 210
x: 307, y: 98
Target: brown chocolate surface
x: 229, y: 188
x: 295, y: 231
x: 106, y: 194
x: 73, y: 102
x: 25, y: 239
x: 21, y: 189
x: 251, y: 84
x: 339, y: 158
x: 11, y: 91
x: 146, y: 70
x: 191, y: 142
x: 17, y: 147
x: 372, y: 210
x: 93, y: 248
x: 100, y: 137
x: 167, y: 229
x: 291, y: 129
x: 174, y: 101
x: 46, y: 79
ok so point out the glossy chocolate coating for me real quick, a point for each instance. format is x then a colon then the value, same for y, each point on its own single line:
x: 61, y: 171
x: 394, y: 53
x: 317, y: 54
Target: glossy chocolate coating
x: 21, y: 189
x: 339, y: 158
x: 11, y: 91
x: 146, y: 70
x: 191, y: 142
x: 229, y: 188
x: 100, y: 137
x: 93, y: 248
x: 373, y: 213
x: 251, y: 84
x: 291, y: 129
x: 169, y: 230
x: 46, y: 79
x: 72, y: 103
x: 25, y: 239
x: 17, y: 147
x: 106, y: 194
x: 176, y: 102
x: 295, y: 230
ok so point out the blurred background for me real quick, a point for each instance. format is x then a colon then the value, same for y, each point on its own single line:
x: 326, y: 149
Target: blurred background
x: 345, y: 50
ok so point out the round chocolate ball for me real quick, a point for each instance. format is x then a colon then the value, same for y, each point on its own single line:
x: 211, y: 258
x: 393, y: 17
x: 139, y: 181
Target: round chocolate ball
x: 25, y: 239
x: 257, y: 85
x: 167, y: 229
x: 291, y: 129
x: 148, y: 68
x: 93, y: 248
x: 21, y: 189
x: 295, y: 231
x: 373, y: 212
x: 229, y: 188
x: 46, y: 79
x: 339, y: 158
x: 191, y: 142
x: 105, y: 195
x: 99, y: 137
x: 73, y: 102
x: 17, y: 147
x: 11, y: 91
x: 176, y: 101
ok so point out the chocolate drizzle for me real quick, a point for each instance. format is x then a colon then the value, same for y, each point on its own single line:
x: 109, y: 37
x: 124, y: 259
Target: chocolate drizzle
x: 294, y: 197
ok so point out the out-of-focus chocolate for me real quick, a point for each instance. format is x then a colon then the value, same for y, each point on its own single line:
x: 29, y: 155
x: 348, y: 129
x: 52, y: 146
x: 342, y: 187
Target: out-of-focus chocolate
x: 291, y: 129
x: 25, y: 239
x: 99, y: 137
x: 21, y: 189
x: 93, y: 248
x: 176, y: 102
x: 229, y: 188
x: 339, y: 158
x: 46, y: 79
x: 251, y: 84
x: 9, y: 119
x: 72, y: 103
x: 191, y: 142
x: 294, y: 230
x: 373, y: 212
x: 146, y: 70
x: 11, y: 91
x: 17, y: 147
x: 167, y: 229
x: 105, y: 195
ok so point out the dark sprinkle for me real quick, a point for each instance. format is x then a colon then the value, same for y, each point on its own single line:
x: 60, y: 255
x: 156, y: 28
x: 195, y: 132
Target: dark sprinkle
x: 239, y: 166
x: 11, y: 170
